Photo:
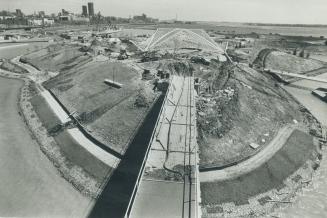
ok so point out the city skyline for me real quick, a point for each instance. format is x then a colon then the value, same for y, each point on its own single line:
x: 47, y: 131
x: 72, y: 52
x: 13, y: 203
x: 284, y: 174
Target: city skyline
x: 263, y: 11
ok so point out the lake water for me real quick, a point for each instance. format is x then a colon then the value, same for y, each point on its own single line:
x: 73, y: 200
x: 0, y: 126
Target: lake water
x: 283, y: 30
x: 311, y: 202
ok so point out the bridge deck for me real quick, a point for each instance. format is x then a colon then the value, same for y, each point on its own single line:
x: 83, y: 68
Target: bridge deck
x: 173, y: 150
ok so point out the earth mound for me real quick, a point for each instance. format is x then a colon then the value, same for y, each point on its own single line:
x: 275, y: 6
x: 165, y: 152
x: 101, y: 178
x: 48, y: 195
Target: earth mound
x: 237, y: 108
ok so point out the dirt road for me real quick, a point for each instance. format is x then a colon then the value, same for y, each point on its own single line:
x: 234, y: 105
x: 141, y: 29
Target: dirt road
x: 30, y: 185
x: 251, y: 164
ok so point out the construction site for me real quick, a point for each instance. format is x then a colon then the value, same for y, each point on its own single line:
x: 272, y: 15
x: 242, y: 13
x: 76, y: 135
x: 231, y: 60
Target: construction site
x: 196, y: 122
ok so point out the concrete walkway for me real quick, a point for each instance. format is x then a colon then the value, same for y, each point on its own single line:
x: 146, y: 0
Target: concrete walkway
x: 75, y: 133
x: 253, y: 163
x: 175, y: 131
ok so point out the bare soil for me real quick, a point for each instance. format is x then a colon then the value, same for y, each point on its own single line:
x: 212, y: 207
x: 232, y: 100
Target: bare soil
x: 244, y: 108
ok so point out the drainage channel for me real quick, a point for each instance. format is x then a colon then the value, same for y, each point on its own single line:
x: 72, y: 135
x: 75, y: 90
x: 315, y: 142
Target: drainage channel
x: 119, y: 191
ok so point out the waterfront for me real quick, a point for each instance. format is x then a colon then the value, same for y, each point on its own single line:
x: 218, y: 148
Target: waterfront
x: 29, y: 187
x: 311, y: 201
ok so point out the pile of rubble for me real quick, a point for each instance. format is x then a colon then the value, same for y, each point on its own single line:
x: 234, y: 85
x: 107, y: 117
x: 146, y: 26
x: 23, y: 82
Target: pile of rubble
x: 210, y: 108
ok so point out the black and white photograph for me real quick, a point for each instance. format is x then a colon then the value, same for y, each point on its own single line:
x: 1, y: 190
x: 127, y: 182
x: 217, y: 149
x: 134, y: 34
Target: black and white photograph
x: 163, y: 109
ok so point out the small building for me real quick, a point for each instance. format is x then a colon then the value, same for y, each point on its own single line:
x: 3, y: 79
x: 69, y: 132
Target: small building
x: 41, y: 21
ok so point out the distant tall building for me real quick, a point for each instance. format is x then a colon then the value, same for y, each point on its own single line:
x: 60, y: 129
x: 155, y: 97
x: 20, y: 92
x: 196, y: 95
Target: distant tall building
x: 84, y: 10
x: 19, y: 13
x: 64, y: 12
x: 41, y: 13
x: 91, y: 9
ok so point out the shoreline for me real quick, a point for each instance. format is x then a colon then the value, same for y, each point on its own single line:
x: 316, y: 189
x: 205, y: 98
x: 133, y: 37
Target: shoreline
x: 72, y: 173
x: 283, y: 196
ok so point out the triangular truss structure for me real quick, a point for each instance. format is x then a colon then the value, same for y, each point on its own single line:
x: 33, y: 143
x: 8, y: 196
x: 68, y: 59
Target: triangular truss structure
x: 176, y: 39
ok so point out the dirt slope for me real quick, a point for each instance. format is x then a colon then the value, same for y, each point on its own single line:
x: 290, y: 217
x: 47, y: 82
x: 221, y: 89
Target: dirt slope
x: 291, y: 63
x: 243, y: 108
x: 57, y: 57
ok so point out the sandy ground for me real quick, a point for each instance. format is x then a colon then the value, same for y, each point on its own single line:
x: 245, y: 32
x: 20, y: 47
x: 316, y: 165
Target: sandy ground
x: 30, y: 185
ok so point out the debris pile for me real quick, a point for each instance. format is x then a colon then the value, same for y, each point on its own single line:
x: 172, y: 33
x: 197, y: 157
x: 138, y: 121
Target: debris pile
x: 141, y: 100
x: 210, y: 109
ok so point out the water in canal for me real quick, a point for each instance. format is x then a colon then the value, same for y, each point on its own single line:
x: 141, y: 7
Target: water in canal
x: 311, y: 202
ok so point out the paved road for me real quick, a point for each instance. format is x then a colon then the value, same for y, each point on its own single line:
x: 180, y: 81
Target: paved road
x: 30, y: 185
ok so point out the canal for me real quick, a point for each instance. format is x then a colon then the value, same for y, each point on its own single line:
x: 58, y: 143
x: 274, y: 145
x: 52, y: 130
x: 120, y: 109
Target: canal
x: 116, y: 196
x: 311, y: 201
x: 30, y: 185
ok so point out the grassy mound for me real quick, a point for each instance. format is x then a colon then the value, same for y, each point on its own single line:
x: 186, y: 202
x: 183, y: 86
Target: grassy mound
x: 7, y: 65
x: 297, y: 150
x: 57, y: 57
x: 243, y: 108
x: 291, y: 63
x: 110, y: 114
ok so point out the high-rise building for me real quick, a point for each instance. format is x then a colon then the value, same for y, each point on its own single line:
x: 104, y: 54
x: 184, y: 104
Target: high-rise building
x: 41, y: 13
x: 19, y: 13
x: 64, y: 12
x: 91, y: 9
x: 84, y: 10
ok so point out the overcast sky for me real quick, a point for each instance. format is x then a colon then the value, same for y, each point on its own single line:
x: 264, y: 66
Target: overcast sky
x: 265, y: 11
